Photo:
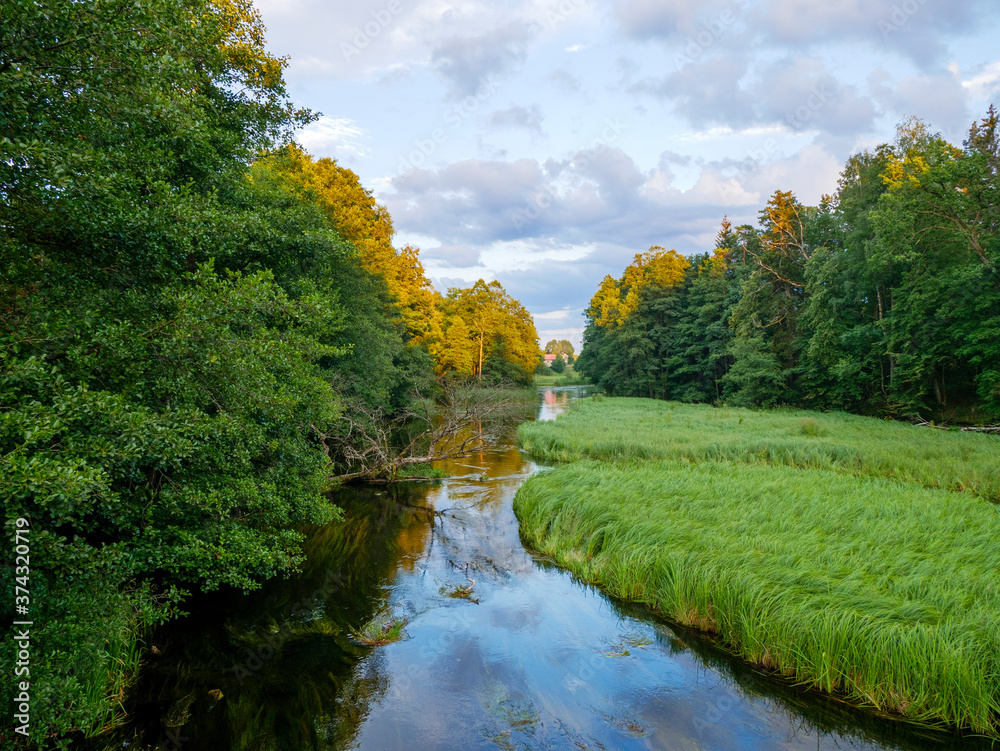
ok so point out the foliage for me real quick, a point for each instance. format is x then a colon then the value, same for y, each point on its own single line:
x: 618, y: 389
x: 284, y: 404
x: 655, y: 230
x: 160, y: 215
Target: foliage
x: 85, y: 647
x: 183, y: 317
x: 562, y: 347
x: 358, y: 219
x: 373, y: 445
x: 501, y: 332
x: 569, y: 377
x: 461, y: 333
x: 756, y: 377
x: 117, y: 124
x: 558, y: 365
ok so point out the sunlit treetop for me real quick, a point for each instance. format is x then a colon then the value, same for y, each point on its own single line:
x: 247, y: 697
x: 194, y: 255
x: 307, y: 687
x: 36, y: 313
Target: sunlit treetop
x: 616, y: 299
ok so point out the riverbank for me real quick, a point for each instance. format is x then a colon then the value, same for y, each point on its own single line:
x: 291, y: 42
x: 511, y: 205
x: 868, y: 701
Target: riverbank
x: 828, y: 548
x: 568, y: 377
x: 608, y: 429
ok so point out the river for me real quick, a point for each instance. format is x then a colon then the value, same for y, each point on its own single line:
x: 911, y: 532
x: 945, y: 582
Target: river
x: 529, y: 658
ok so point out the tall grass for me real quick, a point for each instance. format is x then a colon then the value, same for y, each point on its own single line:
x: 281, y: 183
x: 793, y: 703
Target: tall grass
x: 568, y: 377
x: 884, y: 593
x: 614, y: 429
x: 85, y: 653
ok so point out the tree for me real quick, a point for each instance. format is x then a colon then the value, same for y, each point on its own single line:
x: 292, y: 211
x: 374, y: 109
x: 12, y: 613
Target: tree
x: 118, y: 123
x: 938, y: 226
x: 845, y: 360
x: 171, y: 322
x: 559, y: 364
x: 756, y: 378
x: 456, y: 352
x: 498, y: 324
x: 433, y: 429
x: 628, y: 321
x: 358, y: 219
x: 562, y: 347
x: 776, y: 290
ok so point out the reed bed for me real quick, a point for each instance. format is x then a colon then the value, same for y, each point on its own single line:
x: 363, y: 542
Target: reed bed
x: 883, y: 593
x: 623, y: 429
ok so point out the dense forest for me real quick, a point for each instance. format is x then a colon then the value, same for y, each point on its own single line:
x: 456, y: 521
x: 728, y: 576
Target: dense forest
x: 189, y: 305
x: 883, y: 300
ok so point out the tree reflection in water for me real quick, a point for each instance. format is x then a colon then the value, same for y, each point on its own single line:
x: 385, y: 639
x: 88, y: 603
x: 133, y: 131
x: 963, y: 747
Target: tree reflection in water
x: 540, y: 661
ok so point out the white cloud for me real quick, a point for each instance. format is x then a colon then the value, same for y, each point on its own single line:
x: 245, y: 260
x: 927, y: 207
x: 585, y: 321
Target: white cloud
x: 729, y: 101
x: 519, y: 255
x: 985, y: 83
x: 334, y: 137
x: 557, y: 315
x: 938, y: 99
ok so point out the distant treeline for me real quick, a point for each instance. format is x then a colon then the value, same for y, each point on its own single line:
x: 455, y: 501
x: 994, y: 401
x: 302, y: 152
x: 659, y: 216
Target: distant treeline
x: 882, y: 300
x: 188, y: 305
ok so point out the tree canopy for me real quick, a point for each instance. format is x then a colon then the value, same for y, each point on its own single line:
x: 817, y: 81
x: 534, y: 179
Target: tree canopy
x: 501, y: 330
x: 188, y: 306
x: 883, y: 299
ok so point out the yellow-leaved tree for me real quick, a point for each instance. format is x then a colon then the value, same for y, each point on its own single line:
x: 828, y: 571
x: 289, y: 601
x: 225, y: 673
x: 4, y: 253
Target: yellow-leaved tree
x: 455, y: 350
x: 366, y: 224
x: 461, y: 332
x: 497, y: 324
x: 616, y: 299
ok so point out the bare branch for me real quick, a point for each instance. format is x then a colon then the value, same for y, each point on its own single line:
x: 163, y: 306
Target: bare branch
x: 374, y: 447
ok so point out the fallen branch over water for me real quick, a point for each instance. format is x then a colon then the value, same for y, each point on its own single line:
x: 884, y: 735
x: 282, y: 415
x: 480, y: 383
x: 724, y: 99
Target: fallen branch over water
x: 374, y: 447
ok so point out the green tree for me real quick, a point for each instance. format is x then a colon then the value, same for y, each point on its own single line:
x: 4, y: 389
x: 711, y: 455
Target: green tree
x: 756, y: 378
x: 938, y: 227
x: 169, y: 327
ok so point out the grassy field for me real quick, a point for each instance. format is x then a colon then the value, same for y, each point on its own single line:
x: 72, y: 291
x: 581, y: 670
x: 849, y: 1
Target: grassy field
x: 865, y: 582
x: 567, y: 378
x: 611, y: 429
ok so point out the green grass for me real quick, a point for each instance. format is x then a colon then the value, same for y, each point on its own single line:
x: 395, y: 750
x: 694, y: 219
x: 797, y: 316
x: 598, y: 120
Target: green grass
x: 882, y: 592
x: 613, y: 429
x: 381, y: 630
x: 857, y: 556
x: 422, y: 472
x: 567, y: 378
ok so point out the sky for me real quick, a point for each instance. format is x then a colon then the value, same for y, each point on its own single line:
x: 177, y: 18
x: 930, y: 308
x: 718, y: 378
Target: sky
x: 544, y: 143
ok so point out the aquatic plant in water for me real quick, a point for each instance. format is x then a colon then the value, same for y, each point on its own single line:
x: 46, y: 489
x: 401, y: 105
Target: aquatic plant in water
x: 384, y: 628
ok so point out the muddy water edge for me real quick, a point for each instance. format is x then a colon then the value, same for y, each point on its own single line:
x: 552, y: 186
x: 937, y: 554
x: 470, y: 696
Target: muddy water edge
x: 500, y: 648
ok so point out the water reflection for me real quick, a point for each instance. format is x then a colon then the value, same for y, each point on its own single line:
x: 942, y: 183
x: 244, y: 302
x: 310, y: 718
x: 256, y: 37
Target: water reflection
x: 530, y: 658
x: 555, y: 400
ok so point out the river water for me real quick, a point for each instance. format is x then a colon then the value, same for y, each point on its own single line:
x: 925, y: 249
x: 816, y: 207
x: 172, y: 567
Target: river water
x: 529, y: 658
